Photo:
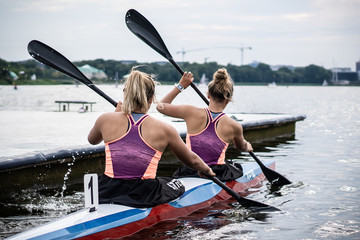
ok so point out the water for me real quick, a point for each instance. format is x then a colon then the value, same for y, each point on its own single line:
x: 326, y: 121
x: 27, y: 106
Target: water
x: 322, y: 161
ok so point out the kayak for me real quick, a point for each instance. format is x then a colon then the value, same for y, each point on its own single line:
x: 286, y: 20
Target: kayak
x: 116, y: 221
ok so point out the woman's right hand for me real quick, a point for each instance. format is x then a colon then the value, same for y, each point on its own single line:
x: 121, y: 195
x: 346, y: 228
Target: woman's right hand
x: 208, y: 173
x: 186, y: 79
x: 249, y: 147
x: 119, y: 107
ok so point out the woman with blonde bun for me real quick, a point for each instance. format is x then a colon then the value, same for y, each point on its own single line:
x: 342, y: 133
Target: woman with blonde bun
x: 134, y: 142
x: 209, y: 130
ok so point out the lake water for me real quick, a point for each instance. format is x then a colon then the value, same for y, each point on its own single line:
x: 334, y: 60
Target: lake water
x: 322, y: 161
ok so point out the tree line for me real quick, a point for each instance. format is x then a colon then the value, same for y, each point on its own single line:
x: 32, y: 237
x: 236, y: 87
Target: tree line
x: 165, y: 72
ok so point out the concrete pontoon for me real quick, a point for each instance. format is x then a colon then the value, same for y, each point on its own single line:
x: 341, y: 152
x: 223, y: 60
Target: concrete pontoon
x: 46, y: 169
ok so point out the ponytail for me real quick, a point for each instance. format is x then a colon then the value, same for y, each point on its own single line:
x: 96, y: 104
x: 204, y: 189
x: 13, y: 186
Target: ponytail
x: 139, y: 89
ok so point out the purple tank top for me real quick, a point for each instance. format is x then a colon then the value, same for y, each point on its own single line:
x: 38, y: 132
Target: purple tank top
x: 207, y: 144
x: 130, y: 157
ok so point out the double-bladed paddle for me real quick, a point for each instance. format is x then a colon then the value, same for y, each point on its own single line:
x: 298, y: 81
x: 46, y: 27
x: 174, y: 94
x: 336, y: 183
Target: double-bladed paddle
x: 144, y: 30
x: 47, y: 55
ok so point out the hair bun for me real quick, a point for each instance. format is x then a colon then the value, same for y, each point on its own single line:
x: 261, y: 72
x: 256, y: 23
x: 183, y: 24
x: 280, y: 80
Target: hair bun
x: 221, y: 87
x: 221, y: 75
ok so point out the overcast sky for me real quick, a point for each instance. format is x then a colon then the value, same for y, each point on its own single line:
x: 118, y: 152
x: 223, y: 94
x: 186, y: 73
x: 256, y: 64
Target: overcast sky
x: 280, y: 32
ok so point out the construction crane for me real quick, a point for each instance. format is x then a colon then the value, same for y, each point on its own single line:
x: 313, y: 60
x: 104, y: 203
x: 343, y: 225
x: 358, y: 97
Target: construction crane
x: 183, y: 52
x: 242, y: 51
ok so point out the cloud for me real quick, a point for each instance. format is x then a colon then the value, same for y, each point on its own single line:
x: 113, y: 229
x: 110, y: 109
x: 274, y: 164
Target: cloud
x: 275, y: 29
x: 42, y: 5
x: 297, y: 17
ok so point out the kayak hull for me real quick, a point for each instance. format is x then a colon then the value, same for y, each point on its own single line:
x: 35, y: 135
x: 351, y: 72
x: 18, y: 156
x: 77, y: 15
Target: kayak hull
x: 116, y: 221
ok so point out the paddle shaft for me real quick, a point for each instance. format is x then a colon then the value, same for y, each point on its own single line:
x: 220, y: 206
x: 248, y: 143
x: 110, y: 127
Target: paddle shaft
x: 101, y: 93
x: 144, y: 30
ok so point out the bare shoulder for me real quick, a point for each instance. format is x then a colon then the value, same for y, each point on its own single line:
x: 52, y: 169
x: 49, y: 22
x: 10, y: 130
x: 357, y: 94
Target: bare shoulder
x: 110, y: 116
x: 158, y: 134
x: 231, y: 124
x: 230, y: 121
x: 159, y: 125
x: 195, y: 110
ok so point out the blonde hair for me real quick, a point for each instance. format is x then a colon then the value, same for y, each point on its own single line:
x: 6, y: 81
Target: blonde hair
x: 139, y: 89
x: 221, y: 87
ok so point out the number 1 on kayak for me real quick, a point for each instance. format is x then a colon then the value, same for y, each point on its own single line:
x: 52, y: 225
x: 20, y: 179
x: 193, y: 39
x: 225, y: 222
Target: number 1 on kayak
x: 91, y: 192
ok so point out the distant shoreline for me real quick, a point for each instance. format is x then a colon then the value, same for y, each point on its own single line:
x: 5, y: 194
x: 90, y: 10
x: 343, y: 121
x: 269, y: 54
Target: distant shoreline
x: 41, y: 82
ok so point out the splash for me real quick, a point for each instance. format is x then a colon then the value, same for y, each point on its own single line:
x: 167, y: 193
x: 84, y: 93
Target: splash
x: 66, y: 177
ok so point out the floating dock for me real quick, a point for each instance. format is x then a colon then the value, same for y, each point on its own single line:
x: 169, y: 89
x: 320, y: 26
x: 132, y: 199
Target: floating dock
x: 48, y: 169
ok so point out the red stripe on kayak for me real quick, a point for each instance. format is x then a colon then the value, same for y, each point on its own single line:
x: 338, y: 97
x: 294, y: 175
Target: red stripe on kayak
x: 165, y: 211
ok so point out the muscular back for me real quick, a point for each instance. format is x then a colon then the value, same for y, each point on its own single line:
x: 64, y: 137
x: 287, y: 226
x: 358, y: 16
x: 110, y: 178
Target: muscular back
x: 112, y: 126
x: 227, y: 128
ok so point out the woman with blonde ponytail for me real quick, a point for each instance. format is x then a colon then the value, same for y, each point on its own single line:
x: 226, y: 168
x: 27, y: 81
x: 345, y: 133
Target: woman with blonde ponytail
x: 134, y: 143
x: 209, y: 130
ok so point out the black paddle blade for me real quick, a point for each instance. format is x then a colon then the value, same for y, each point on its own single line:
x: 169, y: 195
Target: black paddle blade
x: 275, y: 178
x: 49, y: 56
x: 248, y: 203
x: 144, y: 30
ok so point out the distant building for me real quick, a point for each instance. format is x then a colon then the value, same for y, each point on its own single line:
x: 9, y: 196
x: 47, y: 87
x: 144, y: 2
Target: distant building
x: 343, y: 76
x: 358, y: 69
x: 13, y: 75
x: 91, y: 72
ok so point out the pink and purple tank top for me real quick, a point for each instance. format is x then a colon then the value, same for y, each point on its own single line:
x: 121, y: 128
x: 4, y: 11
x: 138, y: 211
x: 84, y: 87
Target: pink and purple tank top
x: 130, y: 157
x: 208, y: 144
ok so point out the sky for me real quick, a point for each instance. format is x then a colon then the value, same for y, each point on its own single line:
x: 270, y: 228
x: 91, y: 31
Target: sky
x: 279, y: 32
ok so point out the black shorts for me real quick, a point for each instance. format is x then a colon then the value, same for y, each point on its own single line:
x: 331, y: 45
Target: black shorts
x: 224, y: 172
x: 139, y: 193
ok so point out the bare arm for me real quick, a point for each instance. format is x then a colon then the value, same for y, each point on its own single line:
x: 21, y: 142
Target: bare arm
x: 177, y: 111
x: 239, y: 140
x: 95, y: 136
x: 185, y: 81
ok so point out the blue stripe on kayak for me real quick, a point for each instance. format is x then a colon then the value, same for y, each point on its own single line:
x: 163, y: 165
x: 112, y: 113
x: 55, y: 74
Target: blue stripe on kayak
x: 197, y: 195
x: 97, y: 225
x: 193, y: 196
x: 207, y: 191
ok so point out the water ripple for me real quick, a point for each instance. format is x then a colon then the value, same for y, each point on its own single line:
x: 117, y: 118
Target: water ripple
x: 337, y: 229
